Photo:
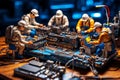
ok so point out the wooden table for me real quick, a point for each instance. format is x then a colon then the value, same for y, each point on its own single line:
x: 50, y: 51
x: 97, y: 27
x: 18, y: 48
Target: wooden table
x: 112, y: 70
x: 7, y: 71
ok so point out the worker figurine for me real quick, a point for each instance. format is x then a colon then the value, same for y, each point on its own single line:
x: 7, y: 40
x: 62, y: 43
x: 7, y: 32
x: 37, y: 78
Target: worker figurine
x: 104, y: 38
x: 85, y: 24
x: 59, y: 21
x: 85, y: 27
x: 31, y: 22
x: 18, y: 40
x: 116, y: 19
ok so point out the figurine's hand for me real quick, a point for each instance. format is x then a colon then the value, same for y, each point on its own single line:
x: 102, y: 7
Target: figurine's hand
x: 53, y: 26
x: 30, y: 42
x: 24, y: 37
x: 36, y: 27
x: 56, y: 27
x: 83, y: 32
x: 80, y: 36
x: 61, y: 27
x: 40, y: 25
x: 36, y: 37
x: 78, y: 31
x: 90, y: 42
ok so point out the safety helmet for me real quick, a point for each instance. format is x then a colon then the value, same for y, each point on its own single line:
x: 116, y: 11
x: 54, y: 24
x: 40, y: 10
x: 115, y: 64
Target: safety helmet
x: 97, y: 24
x: 85, y: 17
x: 22, y: 23
x: 35, y: 12
x: 59, y: 13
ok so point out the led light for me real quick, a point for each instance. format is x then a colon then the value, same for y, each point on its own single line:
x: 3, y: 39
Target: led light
x: 96, y: 15
x: 62, y: 6
x: 43, y: 16
x: 89, y: 2
x: 76, y: 16
x: 99, y: 6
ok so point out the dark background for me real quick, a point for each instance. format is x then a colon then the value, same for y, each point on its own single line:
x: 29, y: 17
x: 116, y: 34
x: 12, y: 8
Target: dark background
x: 11, y: 11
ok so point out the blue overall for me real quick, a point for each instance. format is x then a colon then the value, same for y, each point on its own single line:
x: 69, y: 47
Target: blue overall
x: 33, y: 32
x: 99, y: 47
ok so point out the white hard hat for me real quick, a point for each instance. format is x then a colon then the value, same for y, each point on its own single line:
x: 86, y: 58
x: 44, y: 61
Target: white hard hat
x: 59, y: 13
x: 119, y: 13
x: 97, y: 24
x: 22, y: 23
x: 35, y: 12
x: 85, y: 17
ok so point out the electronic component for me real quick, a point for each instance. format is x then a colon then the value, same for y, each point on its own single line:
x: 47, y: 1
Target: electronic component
x: 39, y: 70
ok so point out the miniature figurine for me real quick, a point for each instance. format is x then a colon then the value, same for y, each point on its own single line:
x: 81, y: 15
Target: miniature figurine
x: 85, y: 24
x: 31, y: 23
x: 116, y: 19
x: 116, y: 25
x: 59, y: 21
x: 17, y: 38
x: 105, y: 38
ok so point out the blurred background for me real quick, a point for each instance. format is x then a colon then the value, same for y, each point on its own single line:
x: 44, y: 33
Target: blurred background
x: 11, y: 11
